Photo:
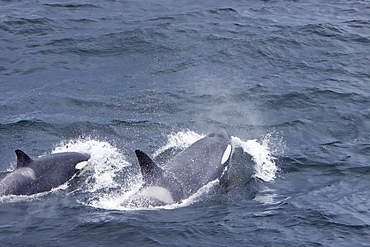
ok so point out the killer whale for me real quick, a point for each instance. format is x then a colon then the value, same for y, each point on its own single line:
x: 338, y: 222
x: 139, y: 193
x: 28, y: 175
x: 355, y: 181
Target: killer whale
x: 185, y: 173
x: 42, y: 174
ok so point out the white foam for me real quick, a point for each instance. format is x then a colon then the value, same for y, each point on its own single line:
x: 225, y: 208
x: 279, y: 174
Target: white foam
x: 181, y: 140
x: 106, y: 193
x: 265, y: 167
x: 114, y: 201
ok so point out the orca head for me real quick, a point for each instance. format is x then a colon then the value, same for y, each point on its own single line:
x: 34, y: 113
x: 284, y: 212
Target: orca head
x: 223, y: 137
x: 225, y: 158
x: 220, y: 134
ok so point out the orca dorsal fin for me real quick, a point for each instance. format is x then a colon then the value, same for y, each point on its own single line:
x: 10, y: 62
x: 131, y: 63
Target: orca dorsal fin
x: 149, y: 169
x: 23, y: 159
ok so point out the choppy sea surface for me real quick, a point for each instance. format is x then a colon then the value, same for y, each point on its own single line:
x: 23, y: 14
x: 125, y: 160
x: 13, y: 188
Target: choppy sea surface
x: 288, y: 80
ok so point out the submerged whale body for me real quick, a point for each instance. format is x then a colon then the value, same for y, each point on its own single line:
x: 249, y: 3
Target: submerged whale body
x: 184, y: 174
x: 42, y: 174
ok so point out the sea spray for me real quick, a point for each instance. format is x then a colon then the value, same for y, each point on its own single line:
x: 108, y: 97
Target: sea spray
x: 265, y: 167
x: 106, y: 192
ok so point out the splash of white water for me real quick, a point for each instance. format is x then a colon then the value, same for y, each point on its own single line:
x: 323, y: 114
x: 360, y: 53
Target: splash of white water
x: 181, y: 140
x: 107, y: 162
x: 265, y: 167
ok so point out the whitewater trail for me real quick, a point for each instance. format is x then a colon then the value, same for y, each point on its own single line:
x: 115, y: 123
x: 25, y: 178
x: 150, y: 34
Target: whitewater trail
x: 107, y: 162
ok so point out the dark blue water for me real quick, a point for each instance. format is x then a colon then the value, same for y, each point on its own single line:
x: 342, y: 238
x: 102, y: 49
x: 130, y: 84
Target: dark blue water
x: 288, y: 79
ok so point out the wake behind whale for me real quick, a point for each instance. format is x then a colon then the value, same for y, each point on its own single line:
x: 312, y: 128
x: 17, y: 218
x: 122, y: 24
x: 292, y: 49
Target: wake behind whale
x: 247, y: 159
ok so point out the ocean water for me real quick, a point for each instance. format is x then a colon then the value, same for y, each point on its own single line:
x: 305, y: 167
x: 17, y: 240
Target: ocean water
x: 288, y: 80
